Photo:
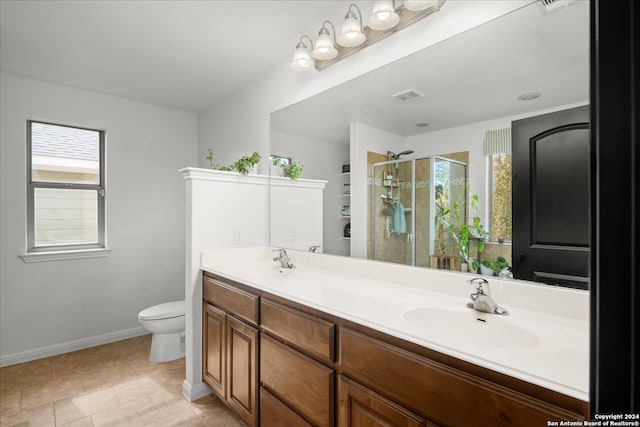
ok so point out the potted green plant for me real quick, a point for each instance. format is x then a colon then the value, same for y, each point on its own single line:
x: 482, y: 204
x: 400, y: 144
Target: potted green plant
x: 215, y: 166
x: 465, y: 233
x: 442, y: 217
x: 246, y: 163
x: 496, y: 266
x: 290, y: 169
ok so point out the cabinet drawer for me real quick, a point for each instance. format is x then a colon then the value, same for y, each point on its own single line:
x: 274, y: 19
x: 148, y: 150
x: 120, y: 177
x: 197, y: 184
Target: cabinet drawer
x: 275, y: 413
x: 360, y: 406
x: 308, y: 333
x: 299, y: 381
x: 436, y: 391
x: 238, y: 302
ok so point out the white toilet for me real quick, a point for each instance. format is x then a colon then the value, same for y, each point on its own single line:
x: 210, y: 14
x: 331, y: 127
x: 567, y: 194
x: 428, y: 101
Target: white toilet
x: 166, y: 323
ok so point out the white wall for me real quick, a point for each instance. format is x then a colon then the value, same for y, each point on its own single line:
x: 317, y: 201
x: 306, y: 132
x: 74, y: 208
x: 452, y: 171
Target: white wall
x: 322, y: 160
x: 49, y: 307
x: 296, y: 213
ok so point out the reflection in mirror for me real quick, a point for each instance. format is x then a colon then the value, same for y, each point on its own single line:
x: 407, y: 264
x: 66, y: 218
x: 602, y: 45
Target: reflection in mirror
x: 468, y: 90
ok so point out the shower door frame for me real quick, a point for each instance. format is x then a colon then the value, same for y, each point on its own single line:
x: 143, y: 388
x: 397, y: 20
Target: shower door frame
x: 432, y: 189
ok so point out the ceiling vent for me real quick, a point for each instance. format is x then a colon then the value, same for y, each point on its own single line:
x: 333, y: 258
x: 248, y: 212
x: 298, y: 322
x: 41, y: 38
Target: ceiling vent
x: 407, y: 95
x: 548, y: 6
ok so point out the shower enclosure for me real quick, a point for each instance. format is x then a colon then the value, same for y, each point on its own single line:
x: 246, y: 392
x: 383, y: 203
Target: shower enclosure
x: 407, y: 201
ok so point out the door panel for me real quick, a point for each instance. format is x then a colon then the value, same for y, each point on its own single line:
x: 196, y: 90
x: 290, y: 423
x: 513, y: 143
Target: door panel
x: 214, y: 349
x: 242, y: 363
x: 561, y: 170
x: 551, y: 198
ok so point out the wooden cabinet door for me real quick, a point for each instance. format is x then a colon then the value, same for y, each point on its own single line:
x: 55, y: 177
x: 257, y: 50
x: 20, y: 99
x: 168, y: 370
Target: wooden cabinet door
x: 242, y: 366
x: 213, y: 346
x: 361, y: 407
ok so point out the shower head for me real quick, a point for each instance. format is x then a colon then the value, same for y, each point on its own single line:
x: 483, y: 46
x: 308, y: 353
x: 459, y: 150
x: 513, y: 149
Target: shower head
x: 397, y: 156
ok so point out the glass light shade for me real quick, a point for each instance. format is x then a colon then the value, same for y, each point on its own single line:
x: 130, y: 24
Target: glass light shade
x: 419, y: 4
x: 302, y: 61
x: 324, y: 48
x: 383, y: 16
x: 351, y: 35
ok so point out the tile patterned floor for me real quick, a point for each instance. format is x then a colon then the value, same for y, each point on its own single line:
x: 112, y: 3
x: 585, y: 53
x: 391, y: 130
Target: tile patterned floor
x: 109, y: 385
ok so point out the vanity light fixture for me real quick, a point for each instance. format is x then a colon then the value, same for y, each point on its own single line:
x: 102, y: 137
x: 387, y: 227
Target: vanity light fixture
x: 384, y: 15
x: 331, y: 46
x: 420, y: 4
x: 351, y: 34
x: 325, y: 47
x: 302, y: 60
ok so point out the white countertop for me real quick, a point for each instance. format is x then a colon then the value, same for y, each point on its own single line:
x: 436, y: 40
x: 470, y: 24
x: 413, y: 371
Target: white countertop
x: 544, y: 339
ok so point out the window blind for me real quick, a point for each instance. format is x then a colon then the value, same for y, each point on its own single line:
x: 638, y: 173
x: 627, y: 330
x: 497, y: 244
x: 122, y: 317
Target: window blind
x: 497, y: 141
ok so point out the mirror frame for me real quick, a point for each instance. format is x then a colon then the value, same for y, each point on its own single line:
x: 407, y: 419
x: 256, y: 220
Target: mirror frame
x: 615, y: 297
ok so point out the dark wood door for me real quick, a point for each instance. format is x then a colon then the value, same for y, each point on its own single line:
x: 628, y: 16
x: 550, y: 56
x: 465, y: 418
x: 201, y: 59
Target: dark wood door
x: 551, y: 198
x: 213, y: 346
x: 242, y: 366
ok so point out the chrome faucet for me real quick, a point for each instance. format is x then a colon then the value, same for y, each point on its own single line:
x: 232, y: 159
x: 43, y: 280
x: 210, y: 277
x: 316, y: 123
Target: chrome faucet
x: 481, y: 299
x: 314, y: 248
x: 283, y: 257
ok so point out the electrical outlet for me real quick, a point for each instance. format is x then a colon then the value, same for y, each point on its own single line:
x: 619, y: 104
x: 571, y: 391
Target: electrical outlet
x: 236, y: 236
x: 292, y: 234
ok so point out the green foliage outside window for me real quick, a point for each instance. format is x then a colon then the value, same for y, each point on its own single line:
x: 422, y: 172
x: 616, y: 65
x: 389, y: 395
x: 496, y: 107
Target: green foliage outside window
x: 501, y: 198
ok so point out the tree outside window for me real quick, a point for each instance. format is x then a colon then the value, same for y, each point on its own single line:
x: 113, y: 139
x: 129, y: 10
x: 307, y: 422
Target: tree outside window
x: 501, y: 197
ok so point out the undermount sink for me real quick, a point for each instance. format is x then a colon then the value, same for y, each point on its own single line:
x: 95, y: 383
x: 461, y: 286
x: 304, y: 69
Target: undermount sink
x: 472, y: 327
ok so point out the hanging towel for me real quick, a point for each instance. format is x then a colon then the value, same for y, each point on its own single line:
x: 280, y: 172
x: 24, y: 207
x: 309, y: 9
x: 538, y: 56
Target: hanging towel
x: 399, y: 221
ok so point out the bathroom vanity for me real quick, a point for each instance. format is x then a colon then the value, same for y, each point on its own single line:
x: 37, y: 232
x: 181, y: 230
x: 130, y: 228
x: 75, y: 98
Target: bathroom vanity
x: 337, y: 346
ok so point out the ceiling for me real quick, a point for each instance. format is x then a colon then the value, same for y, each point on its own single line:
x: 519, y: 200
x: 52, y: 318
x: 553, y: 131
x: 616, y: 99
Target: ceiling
x: 187, y: 55
x: 472, y: 77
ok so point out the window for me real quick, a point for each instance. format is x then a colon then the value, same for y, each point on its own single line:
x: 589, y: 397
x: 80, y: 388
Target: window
x: 65, y: 188
x: 276, y: 164
x: 500, y: 196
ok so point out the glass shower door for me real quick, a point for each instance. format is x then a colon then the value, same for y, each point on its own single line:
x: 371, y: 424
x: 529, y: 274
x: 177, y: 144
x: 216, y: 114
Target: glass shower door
x: 422, y: 218
x: 391, y: 212
x: 448, y: 192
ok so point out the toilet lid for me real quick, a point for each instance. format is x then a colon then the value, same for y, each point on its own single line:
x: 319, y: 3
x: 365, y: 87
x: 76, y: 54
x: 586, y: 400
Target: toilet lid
x: 163, y: 311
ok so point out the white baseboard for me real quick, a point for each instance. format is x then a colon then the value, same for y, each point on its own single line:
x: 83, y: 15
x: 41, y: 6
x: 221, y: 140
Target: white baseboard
x: 195, y: 391
x: 65, y: 347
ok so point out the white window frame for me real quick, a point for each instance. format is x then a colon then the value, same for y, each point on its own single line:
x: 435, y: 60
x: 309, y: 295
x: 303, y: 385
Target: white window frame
x: 69, y: 251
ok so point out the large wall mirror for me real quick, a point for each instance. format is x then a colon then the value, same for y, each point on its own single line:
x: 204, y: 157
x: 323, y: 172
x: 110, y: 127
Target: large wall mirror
x: 410, y: 140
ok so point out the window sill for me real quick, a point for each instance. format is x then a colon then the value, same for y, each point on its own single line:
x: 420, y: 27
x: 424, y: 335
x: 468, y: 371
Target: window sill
x: 64, y: 255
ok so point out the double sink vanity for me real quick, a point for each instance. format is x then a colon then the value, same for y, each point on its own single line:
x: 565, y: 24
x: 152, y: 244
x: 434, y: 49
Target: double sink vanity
x: 342, y: 341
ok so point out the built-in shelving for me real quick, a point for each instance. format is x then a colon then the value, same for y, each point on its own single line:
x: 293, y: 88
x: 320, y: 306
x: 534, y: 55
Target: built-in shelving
x: 344, y: 203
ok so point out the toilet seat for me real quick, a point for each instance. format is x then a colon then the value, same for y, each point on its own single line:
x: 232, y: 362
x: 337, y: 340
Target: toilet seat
x: 166, y: 310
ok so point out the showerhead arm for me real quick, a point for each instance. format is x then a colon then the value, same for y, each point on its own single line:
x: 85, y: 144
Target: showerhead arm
x: 397, y: 156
